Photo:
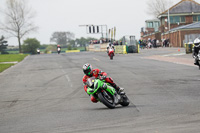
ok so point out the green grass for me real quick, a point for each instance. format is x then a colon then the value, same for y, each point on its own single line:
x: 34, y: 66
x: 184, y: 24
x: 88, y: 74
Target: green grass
x: 12, y: 57
x: 5, y: 66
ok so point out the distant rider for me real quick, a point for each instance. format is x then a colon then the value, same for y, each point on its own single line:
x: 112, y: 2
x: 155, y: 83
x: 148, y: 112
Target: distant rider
x: 97, y: 73
x: 58, y: 49
x: 196, y: 50
x: 38, y: 51
x: 110, y: 46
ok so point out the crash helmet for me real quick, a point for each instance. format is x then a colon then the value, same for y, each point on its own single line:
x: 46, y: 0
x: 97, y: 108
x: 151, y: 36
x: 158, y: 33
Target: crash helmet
x: 110, y: 44
x: 87, y: 69
x: 196, y: 41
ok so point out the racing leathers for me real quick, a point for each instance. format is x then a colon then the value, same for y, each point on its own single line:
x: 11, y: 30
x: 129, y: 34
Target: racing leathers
x: 195, y: 53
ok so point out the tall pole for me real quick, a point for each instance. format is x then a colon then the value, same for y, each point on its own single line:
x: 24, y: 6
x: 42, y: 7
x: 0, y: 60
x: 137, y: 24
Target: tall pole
x: 168, y: 20
x: 106, y: 33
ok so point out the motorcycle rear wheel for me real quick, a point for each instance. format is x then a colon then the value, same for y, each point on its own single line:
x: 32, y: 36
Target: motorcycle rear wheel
x: 110, y: 103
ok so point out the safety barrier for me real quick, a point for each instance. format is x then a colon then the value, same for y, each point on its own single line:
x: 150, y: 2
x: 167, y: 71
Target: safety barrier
x: 72, y: 51
x: 97, y: 47
x: 120, y: 49
x: 188, y: 48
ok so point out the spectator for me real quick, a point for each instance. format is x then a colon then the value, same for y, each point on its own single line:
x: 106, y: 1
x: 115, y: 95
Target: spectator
x: 164, y: 42
x: 157, y: 43
x: 117, y: 43
x: 120, y: 42
x: 168, y: 42
x: 154, y: 43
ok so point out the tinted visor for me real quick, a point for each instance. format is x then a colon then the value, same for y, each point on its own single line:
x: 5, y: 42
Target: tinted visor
x: 87, y: 72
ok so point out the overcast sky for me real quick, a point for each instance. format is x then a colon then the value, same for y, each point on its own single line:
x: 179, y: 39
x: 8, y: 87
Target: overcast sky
x: 128, y: 16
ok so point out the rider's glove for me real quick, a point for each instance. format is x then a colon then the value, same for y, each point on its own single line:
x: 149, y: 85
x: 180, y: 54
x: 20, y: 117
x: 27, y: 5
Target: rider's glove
x: 102, y: 77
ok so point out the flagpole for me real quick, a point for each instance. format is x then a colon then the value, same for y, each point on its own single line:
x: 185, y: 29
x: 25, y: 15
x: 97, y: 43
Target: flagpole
x: 168, y: 20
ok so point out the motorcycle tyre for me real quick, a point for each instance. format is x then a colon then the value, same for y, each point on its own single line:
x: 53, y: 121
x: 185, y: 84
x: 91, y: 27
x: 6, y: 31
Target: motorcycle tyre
x: 105, y: 102
x: 111, y: 56
x: 125, y: 101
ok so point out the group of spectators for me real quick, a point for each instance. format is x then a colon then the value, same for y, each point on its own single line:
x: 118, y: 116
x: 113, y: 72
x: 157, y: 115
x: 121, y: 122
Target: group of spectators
x: 115, y: 43
x: 153, y: 43
x: 98, y: 41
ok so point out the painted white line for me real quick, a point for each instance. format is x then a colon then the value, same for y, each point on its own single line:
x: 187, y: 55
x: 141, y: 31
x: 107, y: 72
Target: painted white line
x: 68, y: 79
x: 96, y: 59
x: 174, y: 54
x: 14, y: 62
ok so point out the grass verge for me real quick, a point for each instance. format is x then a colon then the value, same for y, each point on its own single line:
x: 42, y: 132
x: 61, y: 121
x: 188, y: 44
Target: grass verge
x: 12, y: 57
x: 5, y: 66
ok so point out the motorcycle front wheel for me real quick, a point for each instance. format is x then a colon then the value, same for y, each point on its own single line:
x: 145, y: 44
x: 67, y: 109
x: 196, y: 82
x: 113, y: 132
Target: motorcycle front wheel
x: 107, y: 99
x: 111, y: 56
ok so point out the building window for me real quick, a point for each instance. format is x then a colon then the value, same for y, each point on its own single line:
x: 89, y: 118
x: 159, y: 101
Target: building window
x: 174, y: 19
x: 177, y: 19
x: 182, y: 19
x: 150, y: 24
x: 156, y: 26
x: 196, y: 18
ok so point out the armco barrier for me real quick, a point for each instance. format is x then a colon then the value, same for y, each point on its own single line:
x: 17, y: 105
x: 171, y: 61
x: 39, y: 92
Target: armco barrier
x: 72, y: 51
x: 98, y: 47
x: 120, y: 49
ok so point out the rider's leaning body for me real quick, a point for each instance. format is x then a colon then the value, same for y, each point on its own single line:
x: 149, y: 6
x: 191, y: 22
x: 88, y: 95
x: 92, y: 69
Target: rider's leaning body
x: 97, y: 73
x: 196, y: 50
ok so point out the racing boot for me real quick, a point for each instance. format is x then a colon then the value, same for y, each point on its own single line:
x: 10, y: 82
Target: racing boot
x: 118, y: 89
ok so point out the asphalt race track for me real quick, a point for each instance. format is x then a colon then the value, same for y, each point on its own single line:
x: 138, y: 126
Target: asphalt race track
x: 44, y: 94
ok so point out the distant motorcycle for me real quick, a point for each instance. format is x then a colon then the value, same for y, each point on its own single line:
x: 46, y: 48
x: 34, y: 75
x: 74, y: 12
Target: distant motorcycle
x: 38, y: 51
x: 111, y: 53
x: 58, y: 50
x: 105, y: 93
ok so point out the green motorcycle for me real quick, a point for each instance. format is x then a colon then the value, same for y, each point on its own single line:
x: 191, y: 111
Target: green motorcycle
x: 105, y: 93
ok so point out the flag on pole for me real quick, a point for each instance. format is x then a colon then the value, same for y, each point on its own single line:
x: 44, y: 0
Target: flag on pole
x: 114, y: 32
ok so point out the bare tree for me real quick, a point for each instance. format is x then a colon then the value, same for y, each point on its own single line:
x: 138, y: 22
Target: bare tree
x: 18, y: 20
x: 156, y: 7
x: 62, y: 37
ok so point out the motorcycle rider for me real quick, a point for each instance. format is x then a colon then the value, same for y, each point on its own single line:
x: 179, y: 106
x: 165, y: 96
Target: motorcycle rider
x: 110, y: 46
x: 196, y: 50
x: 58, y: 49
x: 97, y: 73
x: 38, y: 51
